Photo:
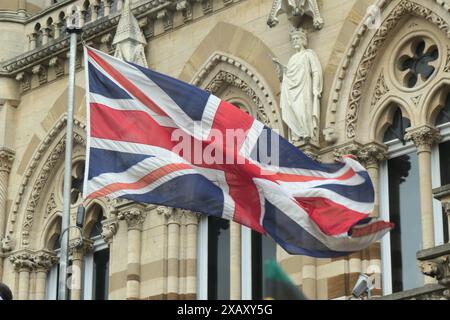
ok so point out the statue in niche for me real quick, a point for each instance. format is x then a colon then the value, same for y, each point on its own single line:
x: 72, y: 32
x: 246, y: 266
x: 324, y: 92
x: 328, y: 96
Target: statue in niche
x: 295, y: 10
x: 301, y: 89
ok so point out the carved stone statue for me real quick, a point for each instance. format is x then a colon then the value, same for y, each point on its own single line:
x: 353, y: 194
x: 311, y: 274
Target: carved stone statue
x: 295, y: 10
x: 301, y: 89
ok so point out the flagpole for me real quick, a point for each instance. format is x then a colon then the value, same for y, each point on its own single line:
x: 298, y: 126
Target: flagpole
x: 73, y: 29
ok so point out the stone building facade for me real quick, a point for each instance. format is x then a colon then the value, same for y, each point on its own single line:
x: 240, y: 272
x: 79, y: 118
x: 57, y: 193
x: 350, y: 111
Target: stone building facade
x: 385, y: 99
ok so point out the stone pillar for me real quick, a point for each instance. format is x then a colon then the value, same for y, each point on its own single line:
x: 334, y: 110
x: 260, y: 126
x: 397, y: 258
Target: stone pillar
x: 134, y: 217
x: 370, y: 157
x: 424, y: 137
x: 309, y: 277
x: 44, y: 261
x: 192, y: 220
x: 235, y: 261
x: 23, y: 264
x: 78, y: 250
x: 173, y: 252
x: 106, y: 8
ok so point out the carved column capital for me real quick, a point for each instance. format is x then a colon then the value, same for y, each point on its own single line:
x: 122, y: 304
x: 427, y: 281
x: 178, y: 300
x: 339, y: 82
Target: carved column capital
x: 371, y: 154
x: 423, y: 137
x: 134, y: 217
x: 78, y: 249
x: 190, y: 218
x: 352, y: 148
x: 44, y: 261
x: 22, y: 261
x: 6, y: 159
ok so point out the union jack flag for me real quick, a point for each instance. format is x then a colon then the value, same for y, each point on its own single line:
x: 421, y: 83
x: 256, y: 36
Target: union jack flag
x: 136, y: 121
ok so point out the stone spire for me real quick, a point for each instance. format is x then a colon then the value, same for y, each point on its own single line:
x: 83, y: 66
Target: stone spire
x: 129, y: 39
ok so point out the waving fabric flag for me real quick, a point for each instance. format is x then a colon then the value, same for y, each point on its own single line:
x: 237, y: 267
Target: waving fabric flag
x: 158, y: 140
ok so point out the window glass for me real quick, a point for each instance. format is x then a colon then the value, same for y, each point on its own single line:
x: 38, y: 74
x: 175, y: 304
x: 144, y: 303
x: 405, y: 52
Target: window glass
x: 263, y: 249
x: 218, y: 258
x: 398, y: 127
x: 101, y: 274
x: 444, y: 155
x: 404, y: 208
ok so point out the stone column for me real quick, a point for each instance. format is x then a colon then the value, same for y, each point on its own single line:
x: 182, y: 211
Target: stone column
x: 424, y: 137
x: 23, y: 264
x: 107, y: 7
x: 6, y: 159
x: 173, y: 251
x: 134, y: 218
x: 370, y: 157
x: 78, y: 250
x: 192, y: 220
x: 44, y: 261
x: 235, y: 261
x: 309, y: 277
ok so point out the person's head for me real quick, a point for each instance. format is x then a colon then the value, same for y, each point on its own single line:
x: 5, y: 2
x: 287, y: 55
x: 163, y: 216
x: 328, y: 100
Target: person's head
x: 5, y: 292
x: 299, y: 39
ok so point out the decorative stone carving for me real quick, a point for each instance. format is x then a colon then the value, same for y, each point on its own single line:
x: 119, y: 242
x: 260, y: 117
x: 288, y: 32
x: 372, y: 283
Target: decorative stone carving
x: 372, y: 154
x: 403, y: 8
x: 40, y: 181
x: 22, y: 261
x: 207, y: 6
x: 166, y: 16
x: 134, y: 217
x: 416, y: 100
x: 166, y: 211
x: 435, y: 262
x: 7, y: 243
x: 25, y: 80
x: 447, y: 63
x: 41, y: 72
x: 185, y: 7
x: 6, y: 159
x: 380, y: 90
x: 51, y: 205
x: 78, y: 248
x: 423, y: 137
x: 129, y: 40
x: 44, y: 260
x: 109, y: 229
x: 58, y: 65
x: 106, y: 42
x: 438, y: 268
x: 301, y: 89
x: 296, y: 11
x: 351, y: 148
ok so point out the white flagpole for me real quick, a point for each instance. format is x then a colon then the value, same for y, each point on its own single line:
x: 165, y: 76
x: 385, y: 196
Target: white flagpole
x: 73, y: 29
